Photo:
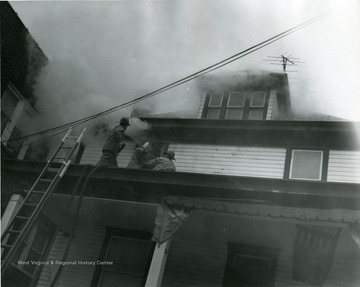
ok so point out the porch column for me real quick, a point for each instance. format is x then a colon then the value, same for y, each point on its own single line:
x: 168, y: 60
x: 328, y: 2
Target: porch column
x: 10, y: 211
x: 157, y: 266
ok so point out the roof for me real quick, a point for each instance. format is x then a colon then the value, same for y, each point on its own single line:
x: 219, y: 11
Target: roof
x: 151, y: 186
x: 297, y: 134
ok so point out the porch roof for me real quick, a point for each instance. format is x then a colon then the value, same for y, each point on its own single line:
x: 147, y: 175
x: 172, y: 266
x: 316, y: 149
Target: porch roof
x: 151, y: 186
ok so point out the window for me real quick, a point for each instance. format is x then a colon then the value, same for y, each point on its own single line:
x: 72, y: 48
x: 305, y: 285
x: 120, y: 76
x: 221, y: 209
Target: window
x: 250, y: 265
x: 131, y: 254
x: 306, y: 164
x: 9, y: 101
x: 236, y: 105
x: 35, y: 246
x: 214, y: 106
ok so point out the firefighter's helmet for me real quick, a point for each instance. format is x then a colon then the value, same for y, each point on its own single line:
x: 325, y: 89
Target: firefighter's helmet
x: 124, y: 121
x: 171, y: 154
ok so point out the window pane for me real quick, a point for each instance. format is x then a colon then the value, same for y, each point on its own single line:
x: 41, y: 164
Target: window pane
x: 258, y: 99
x: 213, y: 113
x: 4, y: 121
x: 236, y: 99
x: 40, y: 240
x: 234, y: 114
x: 8, y: 103
x: 306, y: 164
x: 255, y: 114
x: 129, y: 255
x: 215, y: 100
x: 35, y: 256
x: 110, y: 278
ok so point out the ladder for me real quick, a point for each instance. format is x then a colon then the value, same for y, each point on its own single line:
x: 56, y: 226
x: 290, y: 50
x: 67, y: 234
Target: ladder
x: 36, y: 198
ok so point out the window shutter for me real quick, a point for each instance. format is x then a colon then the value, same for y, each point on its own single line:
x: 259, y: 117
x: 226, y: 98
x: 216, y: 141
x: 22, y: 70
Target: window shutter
x: 313, y: 254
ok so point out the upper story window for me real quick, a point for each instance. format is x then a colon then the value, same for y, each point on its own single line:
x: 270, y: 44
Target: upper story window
x: 9, y: 101
x: 306, y: 164
x: 236, y: 105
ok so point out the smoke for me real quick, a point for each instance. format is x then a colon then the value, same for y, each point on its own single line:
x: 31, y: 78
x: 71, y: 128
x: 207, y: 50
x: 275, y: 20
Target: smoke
x: 139, y: 131
x: 101, y: 54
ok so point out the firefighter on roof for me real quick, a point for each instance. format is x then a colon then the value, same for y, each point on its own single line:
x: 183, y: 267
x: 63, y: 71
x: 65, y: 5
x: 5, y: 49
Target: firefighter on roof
x: 114, y: 144
x: 164, y: 163
x: 138, y: 158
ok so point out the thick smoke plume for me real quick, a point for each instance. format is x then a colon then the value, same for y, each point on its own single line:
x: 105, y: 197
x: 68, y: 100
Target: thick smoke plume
x: 102, y: 54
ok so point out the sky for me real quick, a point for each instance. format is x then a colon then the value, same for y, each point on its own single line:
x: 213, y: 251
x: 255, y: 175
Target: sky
x: 103, y: 54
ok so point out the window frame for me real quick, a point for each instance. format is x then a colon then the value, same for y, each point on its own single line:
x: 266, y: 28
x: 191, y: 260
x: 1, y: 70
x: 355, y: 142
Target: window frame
x: 247, y: 251
x: 8, y: 130
x: 112, y: 232
x: 28, y: 245
x: 225, y: 107
x: 307, y: 150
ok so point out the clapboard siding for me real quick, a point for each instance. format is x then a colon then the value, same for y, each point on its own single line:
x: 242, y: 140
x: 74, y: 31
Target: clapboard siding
x: 93, y: 152
x: 48, y: 271
x: 194, y: 263
x: 273, y: 109
x: 85, y: 246
x: 200, y: 263
x: 344, y: 166
x: 230, y: 160
x: 201, y: 106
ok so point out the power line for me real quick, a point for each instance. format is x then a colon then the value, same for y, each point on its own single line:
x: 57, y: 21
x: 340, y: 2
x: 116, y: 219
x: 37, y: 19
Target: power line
x: 183, y: 80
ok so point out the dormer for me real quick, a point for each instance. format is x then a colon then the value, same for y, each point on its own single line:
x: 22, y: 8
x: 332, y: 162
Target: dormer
x: 244, y: 96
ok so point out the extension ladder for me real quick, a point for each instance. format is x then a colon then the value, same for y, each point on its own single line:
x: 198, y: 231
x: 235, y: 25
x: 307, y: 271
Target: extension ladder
x: 36, y: 198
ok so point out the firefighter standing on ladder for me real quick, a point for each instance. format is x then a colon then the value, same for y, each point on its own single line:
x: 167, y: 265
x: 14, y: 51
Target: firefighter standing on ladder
x: 113, y: 145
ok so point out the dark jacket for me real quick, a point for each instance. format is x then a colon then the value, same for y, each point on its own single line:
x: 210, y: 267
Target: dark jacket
x: 112, y: 146
x: 114, y: 140
x: 160, y: 163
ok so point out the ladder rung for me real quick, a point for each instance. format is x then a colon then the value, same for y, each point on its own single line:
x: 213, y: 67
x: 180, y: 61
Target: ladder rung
x: 67, y: 147
x: 38, y: 192
x: 22, y: 217
x: 6, y: 246
x: 45, y: 180
x: 14, y: 231
x: 30, y: 203
x: 53, y: 169
x: 72, y: 137
x: 59, y: 158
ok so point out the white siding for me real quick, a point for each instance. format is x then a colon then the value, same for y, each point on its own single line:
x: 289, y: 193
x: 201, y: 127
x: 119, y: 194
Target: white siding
x: 92, y: 154
x: 201, y: 107
x: 230, y: 160
x: 344, y: 166
x: 273, y: 109
x: 85, y: 246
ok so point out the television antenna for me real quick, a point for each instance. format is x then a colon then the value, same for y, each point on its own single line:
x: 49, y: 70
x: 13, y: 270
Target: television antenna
x: 284, y: 61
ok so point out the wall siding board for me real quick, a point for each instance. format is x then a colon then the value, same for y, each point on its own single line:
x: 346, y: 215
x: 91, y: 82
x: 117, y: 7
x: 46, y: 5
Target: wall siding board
x: 85, y: 246
x: 202, y: 263
x: 344, y: 166
x: 93, y: 152
x: 230, y: 160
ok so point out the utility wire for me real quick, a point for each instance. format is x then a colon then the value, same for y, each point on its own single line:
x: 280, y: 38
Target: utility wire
x: 185, y: 79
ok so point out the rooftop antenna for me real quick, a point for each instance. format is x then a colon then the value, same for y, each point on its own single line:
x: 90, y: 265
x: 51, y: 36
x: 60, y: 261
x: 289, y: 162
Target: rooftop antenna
x: 284, y: 61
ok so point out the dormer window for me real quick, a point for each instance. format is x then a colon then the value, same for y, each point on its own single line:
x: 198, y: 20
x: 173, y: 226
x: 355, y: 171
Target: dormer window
x: 236, y: 105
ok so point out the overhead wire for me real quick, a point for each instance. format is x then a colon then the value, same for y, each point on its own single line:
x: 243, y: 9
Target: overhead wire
x: 193, y: 76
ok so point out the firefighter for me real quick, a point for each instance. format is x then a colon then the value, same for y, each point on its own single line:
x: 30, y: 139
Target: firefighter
x: 113, y: 145
x: 138, y: 158
x: 164, y: 163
